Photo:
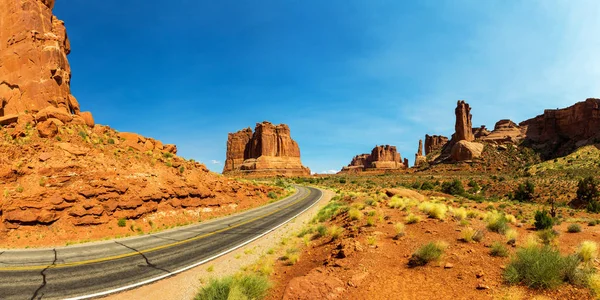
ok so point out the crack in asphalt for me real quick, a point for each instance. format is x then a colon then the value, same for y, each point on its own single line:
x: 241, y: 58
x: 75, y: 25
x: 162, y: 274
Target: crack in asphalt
x: 44, y: 282
x: 145, y: 258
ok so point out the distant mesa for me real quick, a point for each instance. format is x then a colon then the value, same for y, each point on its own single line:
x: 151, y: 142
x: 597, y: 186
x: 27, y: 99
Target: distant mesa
x: 434, y: 143
x: 268, y: 151
x: 381, y: 158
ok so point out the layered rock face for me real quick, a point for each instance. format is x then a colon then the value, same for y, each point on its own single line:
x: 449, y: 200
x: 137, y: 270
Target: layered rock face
x: 563, y: 130
x: 34, y: 71
x: 463, y: 126
x: 480, y: 132
x: 270, y: 150
x: 505, y: 132
x: 381, y: 158
x: 434, y: 142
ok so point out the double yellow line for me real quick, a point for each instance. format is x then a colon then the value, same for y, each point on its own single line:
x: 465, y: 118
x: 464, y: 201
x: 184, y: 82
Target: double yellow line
x: 115, y: 257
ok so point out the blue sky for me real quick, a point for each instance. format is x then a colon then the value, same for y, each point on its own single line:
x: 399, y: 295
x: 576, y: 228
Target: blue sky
x: 345, y: 75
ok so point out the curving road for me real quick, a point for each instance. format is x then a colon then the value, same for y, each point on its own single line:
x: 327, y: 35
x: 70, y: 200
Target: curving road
x: 97, y: 269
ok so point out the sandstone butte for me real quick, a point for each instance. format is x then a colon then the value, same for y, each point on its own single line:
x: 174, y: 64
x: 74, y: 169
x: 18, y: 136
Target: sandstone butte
x: 269, y: 151
x: 381, y: 158
x: 59, y: 168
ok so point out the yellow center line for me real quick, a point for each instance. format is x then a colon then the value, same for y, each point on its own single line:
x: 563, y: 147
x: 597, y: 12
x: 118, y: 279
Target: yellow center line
x: 115, y: 257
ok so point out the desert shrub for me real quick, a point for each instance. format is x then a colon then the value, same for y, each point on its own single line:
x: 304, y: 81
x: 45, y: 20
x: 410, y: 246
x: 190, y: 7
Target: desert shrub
x: 400, y: 230
x: 291, y: 256
x: 427, y: 186
x: 111, y: 141
x: 511, y: 219
x: 547, y: 236
x: 335, y: 232
x: 498, y: 249
x: 412, y: 219
x: 543, y: 220
x: 370, y: 221
x: 539, y: 267
x: 236, y: 287
x: 272, y: 195
x: 454, y: 187
x: 434, y: 210
x: 474, y: 186
x: 587, y: 193
x: 594, y: 284
x: 478, y: 236
x: 355, y: 214
x: 427, y: 253
x: 497, y: 222
x: 459, y: 213
x: 306, y: 230
x: 525, y: 191
x: 511, y: 236
x: 320, y: 231
x: 574, y: 228
x: 397, y: 202
x: 587, y: 251
x: 122, y: 222
x: 329, y: 211
x: 468, y: 234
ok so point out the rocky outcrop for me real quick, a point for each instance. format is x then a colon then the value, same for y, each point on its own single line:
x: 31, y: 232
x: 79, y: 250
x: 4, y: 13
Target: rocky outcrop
x: 270, y: 150
x: 462, y: 146
x: 434, y: 143
x: 381, y: 158
x: 420, y: 159
x: 505, y: 132
x: 34, y: 70
x: 463, y: 126
x: 464, y: 150
x: 480, y: 132
x: 558, y: 132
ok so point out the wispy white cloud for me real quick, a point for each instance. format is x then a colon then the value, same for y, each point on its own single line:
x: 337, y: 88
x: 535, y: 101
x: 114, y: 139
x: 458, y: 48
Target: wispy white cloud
x: 215, y: 162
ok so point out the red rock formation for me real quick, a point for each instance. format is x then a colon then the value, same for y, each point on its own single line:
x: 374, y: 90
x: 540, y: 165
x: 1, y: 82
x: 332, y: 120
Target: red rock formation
x: 579, y: 122
x: 419, y: 158
x: 269, y: 151
x: 480, y: 132
x: 505, y: 131
x: 34, y: 71
x: 463, y: 126
x: 434, y: 142
x: 381, y: 158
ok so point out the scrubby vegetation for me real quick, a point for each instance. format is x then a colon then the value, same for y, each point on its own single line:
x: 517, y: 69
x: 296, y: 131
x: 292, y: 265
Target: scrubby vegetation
x: 427, y: 253
x: 235, y: 287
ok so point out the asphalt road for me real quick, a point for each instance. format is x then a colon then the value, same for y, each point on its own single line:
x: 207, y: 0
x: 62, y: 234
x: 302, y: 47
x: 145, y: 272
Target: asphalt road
x: 89, y: 270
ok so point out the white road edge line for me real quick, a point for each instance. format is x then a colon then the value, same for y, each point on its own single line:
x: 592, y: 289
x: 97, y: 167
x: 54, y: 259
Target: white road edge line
x: 131, y: 286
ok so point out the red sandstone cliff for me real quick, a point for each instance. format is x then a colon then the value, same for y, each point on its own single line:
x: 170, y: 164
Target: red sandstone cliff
x: 559, y: 131
x: 58, y: 167
x: 434, y: 142
x: 270, y: 150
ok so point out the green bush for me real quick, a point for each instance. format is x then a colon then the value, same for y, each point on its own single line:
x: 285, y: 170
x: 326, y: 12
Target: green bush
x: 237, y: 287
x: 122, y: 222
x: 524, y: 192
x: 453, y: 188
x: 543, y: 220
x: 498, y: 249
x: 547, y: 235
x: 427, y: 253
x: 540, y: 267
x: 497, y: 222
x: 272, y: 195
x: 427, y: 186
x: 574, y: 228
x: 587, y: 192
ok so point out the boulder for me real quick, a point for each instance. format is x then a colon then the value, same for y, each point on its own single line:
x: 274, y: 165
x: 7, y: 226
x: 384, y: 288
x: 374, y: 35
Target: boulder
x: 9, y: 119
x: 170, y: 148
x: 87, y: 118
x: 47, y: 129
x: 51, y: 112
x: 464, y: 150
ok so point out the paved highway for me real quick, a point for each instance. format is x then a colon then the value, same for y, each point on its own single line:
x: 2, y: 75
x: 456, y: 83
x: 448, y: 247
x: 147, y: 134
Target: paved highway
x: 100, y: 268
